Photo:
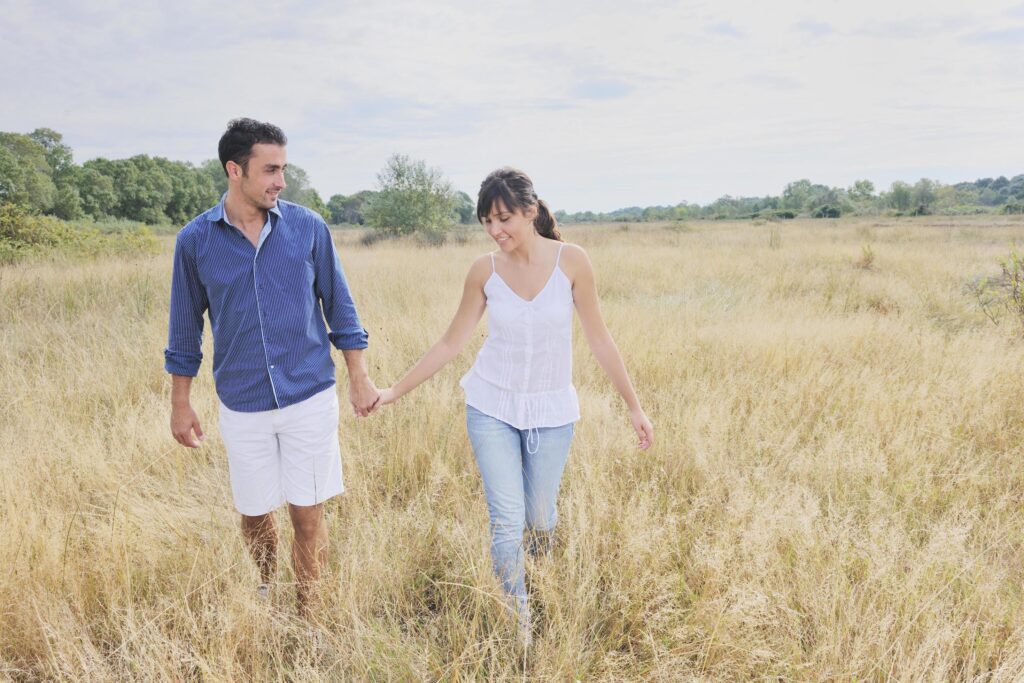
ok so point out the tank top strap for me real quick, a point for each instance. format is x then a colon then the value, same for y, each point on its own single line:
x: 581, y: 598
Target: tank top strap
x: 493, y: 269
x: 558, y: 256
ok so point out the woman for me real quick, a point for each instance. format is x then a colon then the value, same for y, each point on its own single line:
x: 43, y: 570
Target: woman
x: 520, y: 402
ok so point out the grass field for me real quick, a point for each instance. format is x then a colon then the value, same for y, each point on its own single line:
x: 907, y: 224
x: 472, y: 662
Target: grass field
x: 835, y: 492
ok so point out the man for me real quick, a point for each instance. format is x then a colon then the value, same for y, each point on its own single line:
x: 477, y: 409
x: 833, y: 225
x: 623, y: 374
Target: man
x: 267, y: 272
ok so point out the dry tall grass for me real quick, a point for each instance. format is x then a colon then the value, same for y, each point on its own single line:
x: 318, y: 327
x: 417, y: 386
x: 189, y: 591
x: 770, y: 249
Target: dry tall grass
x: 835, y: 492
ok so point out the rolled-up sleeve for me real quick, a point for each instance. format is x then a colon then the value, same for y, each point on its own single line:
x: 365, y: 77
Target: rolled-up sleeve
x: 183, y: 354
x: 346, y: 332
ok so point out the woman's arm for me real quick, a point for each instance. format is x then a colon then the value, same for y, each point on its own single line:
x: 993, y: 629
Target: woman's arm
x: 599, y: 339
x: 471, y: 309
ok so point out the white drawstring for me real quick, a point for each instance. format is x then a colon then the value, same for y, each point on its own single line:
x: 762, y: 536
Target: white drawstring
x: 532, y: 432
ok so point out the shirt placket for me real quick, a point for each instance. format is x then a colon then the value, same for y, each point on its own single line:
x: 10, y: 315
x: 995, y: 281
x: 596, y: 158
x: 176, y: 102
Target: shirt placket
x: 259, y: 309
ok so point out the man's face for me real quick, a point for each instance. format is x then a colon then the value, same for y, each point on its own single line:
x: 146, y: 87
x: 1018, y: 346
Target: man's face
x: 263, y: 178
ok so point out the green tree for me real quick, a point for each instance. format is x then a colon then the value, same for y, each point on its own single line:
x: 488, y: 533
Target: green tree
x: 143, y: 188
x: 147, y: 198
x: 828, y: 202
x: 300, y: 191
x: 27, y: 179
x: 899, y: 196
x: 796, y: 195
x: 465, y: 207
x: 67, y: 203
x: 96, y: 191
x: 349, y: 209
x: 412, y: 198
x: 58, y: 155
x: 861, y: 191
x: 924, y: 195
x: 192, y: 190
x: 213, y: 170
x: 12, y: 179
x: 336, y: 209
x: 666, y: 213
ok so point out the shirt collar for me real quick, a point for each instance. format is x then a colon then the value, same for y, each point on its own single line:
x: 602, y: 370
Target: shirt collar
x: 217, y: 214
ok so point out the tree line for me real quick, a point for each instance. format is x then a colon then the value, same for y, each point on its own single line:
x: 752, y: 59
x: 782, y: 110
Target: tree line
x: 38, y: 174
x: 804, y: 198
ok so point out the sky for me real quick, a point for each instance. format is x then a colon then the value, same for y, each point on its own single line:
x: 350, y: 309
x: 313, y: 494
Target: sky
x: 604, y: 104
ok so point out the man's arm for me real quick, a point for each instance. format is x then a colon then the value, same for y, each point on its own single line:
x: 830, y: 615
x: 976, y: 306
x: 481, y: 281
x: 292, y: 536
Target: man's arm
x: 184, y: 340
x: 184, y: 421
x: 362, y: 392
x: 346, y: 332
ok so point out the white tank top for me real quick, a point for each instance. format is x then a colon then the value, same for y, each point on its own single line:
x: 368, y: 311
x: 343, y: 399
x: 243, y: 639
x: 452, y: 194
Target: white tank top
x: 523, y: 373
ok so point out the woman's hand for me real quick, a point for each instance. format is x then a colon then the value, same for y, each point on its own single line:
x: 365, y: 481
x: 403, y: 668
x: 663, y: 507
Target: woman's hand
x: 387, y: 397
x: 643, y: 428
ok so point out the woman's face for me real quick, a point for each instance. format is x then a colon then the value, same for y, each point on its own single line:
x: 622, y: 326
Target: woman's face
x: 510, y: 229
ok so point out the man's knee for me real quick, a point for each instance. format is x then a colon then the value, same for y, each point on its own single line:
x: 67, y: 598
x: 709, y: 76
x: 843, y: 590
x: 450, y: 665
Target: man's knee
x: 307, y: 521
x: 258, y: 523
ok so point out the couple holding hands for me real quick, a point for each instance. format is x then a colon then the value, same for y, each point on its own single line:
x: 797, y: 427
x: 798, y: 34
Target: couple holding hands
x: 267, y: 274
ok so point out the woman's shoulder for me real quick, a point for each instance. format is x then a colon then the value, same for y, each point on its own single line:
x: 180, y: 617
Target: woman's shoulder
x: 481, y: 268
x: 570, y: 250
x: 483, y: 260
x: 573, y: 257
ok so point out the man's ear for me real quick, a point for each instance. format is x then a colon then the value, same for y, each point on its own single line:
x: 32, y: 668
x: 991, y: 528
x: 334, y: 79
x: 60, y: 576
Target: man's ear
x: 233, y: 169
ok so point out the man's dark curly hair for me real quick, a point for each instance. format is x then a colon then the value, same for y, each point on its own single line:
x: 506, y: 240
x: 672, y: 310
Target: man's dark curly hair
x: 236, y: 143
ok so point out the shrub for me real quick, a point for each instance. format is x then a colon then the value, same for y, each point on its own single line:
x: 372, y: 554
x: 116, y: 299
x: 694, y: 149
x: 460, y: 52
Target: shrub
x: 867, y: 258
x: 371, y: 237
x: 20, y: 228
x: 1003, y: 293
x: 431, y: 238
x: 827, y: 211
x: 1013, y: 283
x: 23, y: 234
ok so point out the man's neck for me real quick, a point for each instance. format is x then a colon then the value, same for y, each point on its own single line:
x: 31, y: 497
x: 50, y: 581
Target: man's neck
x: 243, y: 214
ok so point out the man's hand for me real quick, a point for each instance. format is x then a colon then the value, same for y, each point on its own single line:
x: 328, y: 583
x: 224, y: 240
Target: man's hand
x: 185, y: 422
x: 363, y: 395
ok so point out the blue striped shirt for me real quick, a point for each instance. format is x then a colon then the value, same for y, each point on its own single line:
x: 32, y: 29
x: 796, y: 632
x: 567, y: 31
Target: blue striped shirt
x: 267, y: 305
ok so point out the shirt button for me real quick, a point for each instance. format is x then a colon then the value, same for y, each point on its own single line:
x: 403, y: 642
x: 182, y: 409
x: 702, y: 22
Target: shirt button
x: 271, y: 367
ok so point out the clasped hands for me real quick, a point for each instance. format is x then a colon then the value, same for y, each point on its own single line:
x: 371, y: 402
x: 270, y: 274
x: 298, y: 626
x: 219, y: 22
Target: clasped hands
x: 366, y: 398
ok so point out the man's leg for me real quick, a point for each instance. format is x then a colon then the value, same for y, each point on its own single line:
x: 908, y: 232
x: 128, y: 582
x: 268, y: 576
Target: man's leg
x: 309, y: 551
x: 260, y: 534
x: 255, y: 473
x: 310, y: 474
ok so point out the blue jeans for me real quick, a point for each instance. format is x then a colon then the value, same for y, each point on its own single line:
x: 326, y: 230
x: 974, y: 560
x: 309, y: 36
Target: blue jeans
x: 521, y: 470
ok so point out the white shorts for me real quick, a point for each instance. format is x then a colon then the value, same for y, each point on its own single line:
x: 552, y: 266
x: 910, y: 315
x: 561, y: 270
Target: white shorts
x: 284, y: 455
